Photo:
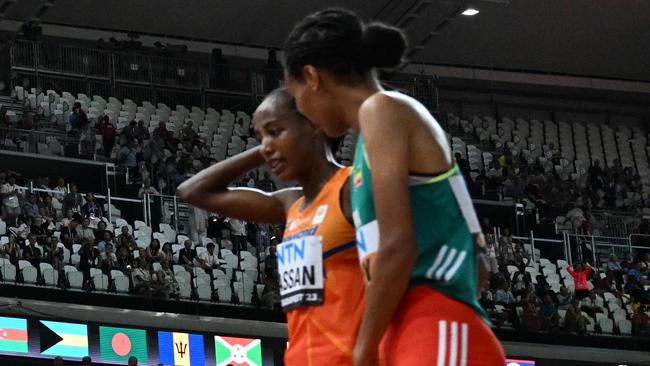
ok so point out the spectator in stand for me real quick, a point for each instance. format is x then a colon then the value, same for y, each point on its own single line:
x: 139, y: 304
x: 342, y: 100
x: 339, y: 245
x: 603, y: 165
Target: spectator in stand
x: 590, y: 305
x: 108, y: 132
x: 78, y: 118
x: 53, y: 254
x: 133, y: 361
x: 127, y: 157
x: 187, y: 132
x: 140, y: 277
x: 12, y: 250
x: 615, y: 268
x: 271, y: 260
x: 507, y: 247
x: 73, y: 200
x: 31, y: 253
x: 574, y: 321
x: 491, y: 256
x: 154, y: 253
x: 108, y: 239
x: 580, y: 272
x: 167, y: 281
x: 640, y: 321
x: 225, y: 243
x: 123, y: 259
x: 504, y: 296
x: 209, y: 260
x: 37, y: 231
x: 267, y: 183
x: 88, y: 258
x: 85, y: 231
x: 61, y: 189
x: 126, y: 240
x: 549, y: 315
x: 91, y: 208
x: 69, y: 233
x: 187, y: 255
x: 147, y: 188
x: 530, y: 318
x: 167, y: 254
x: 627, y: 262
x: 108, y: 259
x: 141, y: 132
x: 11, y: 195
x: 99, y: 233
x: 238, y: 228
x: 161, y: 131
x: 564, y: 298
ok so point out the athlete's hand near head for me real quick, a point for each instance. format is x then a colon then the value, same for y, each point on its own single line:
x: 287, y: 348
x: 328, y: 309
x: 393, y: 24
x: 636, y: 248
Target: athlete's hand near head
x: 209, y: 190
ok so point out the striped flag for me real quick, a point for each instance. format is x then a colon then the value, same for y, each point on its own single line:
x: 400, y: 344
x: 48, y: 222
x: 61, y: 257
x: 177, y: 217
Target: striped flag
x: 181, y: 349
x: 13, y: 334
x: 63, y: 339
x: 238, y: 351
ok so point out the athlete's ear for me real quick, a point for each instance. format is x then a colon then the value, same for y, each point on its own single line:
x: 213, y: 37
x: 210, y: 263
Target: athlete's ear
x: 312, y: 77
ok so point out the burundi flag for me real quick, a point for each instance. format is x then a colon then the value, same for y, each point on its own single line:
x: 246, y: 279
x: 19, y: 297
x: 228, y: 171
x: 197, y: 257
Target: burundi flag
x: 13, y: 334
x: 118, y: 344
x: 181, y: 349
x: 63, y: 339
x: 238, y: 351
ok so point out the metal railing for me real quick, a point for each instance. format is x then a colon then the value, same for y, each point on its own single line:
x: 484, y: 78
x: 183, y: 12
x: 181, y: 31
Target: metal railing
x: 162, y: 79
x: 33, y: 141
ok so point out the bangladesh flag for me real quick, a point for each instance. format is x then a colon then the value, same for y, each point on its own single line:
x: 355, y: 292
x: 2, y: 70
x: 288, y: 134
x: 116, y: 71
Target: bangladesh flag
x: 118, y: 344
x: 13, y: 334
x: 238, y: 351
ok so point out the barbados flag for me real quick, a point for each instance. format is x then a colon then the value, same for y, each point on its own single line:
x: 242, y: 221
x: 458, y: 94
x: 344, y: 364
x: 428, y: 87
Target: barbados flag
x: 13, y: 334
x: 513, y: 362
x: 63, y: 339
x: 238, y: 351
x: 181, y: 349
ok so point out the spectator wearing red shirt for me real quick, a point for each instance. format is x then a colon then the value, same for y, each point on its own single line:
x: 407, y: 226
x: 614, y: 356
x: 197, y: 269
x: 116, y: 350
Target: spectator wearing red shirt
x: 108, y: 131
x: 580, y: 274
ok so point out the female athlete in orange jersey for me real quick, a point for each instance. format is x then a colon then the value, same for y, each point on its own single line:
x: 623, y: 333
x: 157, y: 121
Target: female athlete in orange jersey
x: 418, y: 236
x: 322, y: 289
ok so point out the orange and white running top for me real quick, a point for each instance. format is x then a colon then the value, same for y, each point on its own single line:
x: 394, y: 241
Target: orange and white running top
x: 322, y: 286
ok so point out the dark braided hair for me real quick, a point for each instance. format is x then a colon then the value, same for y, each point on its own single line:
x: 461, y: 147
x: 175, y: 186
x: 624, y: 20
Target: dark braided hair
x: 338, y: 41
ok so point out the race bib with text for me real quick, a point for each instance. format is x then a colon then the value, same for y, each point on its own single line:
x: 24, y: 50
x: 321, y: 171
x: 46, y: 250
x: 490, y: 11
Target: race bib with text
x: 300, y: 264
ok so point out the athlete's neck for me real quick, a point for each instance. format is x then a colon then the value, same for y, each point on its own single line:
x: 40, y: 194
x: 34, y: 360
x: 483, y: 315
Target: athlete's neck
x: 315, y: 178
x: 353, y: 96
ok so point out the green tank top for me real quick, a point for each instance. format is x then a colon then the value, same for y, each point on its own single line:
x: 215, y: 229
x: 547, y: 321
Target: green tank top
x: 445, y: 227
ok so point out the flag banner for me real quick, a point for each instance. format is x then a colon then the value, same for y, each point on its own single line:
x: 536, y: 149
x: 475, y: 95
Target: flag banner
x: 238, y: 351
x: 63, y: 339
x: 13, y: 335
x: 181, y: 349
x: 118, y: 344
x: 513, y: 362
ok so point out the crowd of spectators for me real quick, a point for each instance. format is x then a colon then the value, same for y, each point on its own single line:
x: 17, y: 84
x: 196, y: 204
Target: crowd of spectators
x: 42, y: 226
x: 555, y: 193
x: 521, y: 297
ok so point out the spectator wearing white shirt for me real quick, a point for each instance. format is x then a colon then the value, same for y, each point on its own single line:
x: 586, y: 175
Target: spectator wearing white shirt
x: 85, y: 231
x: 140, y: 277
x: 11, y: 195
x: 61, y: 190
x: 108, y: 259
x: 146, y: 188
x: 209, y: 259
x: 238, y: 228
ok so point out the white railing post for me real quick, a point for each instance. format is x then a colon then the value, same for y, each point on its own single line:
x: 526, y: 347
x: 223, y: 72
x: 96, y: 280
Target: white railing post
x: 110, y: 208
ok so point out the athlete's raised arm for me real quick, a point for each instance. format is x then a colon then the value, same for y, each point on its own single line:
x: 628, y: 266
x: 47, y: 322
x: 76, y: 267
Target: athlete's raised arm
x: 209, y: 190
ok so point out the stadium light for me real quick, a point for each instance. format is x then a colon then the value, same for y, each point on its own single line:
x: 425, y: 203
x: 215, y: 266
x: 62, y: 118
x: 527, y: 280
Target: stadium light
x: 470, y: 12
